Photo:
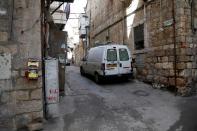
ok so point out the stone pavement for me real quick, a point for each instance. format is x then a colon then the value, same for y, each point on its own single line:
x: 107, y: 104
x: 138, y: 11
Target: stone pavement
x: 121, y: 106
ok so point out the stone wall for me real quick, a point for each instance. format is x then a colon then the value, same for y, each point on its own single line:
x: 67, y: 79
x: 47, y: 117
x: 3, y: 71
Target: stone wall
x: 159, y: 60
x: 6, y: 49
x: 21, y: 99
x: 106, y: 20
x: 186, y: 38
x: 78, y: 53
x: 5, y: 15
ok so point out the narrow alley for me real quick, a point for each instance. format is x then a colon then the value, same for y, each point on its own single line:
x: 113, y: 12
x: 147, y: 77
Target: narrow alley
x: 121, y: 106
x: 48, y: 47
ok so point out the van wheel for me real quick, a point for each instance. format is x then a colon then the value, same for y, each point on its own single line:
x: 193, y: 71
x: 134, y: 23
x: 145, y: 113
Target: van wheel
x: 82, y: 71
x: 97, y: 78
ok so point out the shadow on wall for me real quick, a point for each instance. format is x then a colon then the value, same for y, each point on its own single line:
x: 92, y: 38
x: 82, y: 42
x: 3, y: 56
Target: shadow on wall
x: 133, y: 19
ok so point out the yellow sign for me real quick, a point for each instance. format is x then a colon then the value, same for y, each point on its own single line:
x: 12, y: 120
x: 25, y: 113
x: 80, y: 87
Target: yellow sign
x: 32, y: 75
x: 33, y: 63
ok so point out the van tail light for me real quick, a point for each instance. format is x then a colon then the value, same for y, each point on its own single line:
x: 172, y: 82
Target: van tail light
x: 103, y: 66
x: 131, y: 66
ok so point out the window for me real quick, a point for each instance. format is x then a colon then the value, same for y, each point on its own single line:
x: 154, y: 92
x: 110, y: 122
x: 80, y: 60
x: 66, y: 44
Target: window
x: 111, y: 55
x: 139, y: 37
x: 123, y: 54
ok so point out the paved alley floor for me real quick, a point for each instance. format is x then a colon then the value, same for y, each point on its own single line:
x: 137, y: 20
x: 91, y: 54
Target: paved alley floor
x: 121, y: 106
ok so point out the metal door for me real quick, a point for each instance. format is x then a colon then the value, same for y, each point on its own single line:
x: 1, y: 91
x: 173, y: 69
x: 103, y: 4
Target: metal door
x: 124, y: 62
x: 112, y: 61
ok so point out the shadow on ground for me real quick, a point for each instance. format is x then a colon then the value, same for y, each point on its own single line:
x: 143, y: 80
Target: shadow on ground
x: 188, y: 118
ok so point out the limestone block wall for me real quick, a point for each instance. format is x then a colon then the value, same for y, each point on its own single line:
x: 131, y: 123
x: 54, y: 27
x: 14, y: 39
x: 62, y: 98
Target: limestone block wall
x: 165, y: 54
x: 160, y: 59
x: 20, y: 39
x: 6, y: 51
x: 186, y: 36
x: 106, y: 20
x: 79, y: 53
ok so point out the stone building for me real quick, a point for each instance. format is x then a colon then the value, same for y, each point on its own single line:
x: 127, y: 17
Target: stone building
x: 24, y: 37
x: 160, y: 33
x: 79, y: 53
x: 21, y: 102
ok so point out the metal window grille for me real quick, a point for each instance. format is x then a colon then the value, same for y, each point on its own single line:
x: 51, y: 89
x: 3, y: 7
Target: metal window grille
x: 139, y: 37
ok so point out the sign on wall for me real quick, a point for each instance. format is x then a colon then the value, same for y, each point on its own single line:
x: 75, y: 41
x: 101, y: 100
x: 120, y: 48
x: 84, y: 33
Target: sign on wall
x: 5, y: 16
x: 51, y: 81
x: 168, y: 23
x: 5, y: 66
x: 3, y: 7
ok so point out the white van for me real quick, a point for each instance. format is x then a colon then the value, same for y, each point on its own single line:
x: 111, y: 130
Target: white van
x: 107, y: 61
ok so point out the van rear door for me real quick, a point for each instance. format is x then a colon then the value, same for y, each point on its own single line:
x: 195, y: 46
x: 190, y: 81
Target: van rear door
x: 124, y: 61
x: 111, y: 61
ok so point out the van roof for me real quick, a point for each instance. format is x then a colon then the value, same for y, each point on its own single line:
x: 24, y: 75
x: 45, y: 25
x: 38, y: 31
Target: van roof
x: 110, y: 45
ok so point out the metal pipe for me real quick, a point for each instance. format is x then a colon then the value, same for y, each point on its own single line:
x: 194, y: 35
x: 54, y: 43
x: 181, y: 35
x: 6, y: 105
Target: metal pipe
x: 123, y: 21
x: 89, y: 44
x: 192, y: 4
x: 161, y: 15
x: 86, y: 42
x: 174, y: 37
x: 43, y: 45
x: 11, y: 19
x: 57, y: 8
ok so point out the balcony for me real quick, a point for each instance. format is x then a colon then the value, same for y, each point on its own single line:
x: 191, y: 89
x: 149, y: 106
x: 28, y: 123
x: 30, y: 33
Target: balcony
x: 59, y: 19
x: 60, y: 12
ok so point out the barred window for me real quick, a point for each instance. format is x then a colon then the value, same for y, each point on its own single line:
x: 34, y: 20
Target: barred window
x: 139, y: 37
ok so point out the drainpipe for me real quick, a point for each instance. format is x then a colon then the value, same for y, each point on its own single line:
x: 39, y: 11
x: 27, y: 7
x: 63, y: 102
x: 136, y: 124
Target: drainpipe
x: 161, y: 20
x: 192, y: 4
x: 123, y: 22
x: 43, y: 55
x: 11, y: 19
x: 86, y: 41
x: 174, y: 38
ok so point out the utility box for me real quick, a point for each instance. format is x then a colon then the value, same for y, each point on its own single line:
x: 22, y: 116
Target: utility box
x: 52, y: 87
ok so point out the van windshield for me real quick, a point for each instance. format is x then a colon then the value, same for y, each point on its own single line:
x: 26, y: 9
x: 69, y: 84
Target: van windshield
x: 111, y: 55
x: 123, y: 54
